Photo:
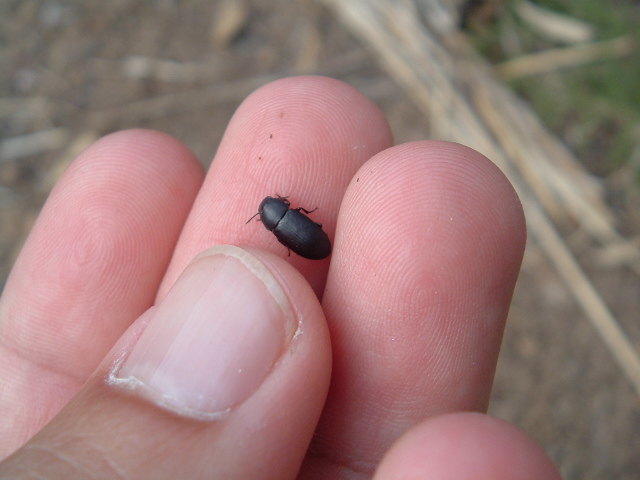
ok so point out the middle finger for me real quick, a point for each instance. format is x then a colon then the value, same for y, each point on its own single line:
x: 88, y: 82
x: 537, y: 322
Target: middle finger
x: 301, y: 137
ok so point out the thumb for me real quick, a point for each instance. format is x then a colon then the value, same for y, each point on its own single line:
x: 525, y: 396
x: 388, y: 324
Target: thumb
x: 225, y: 378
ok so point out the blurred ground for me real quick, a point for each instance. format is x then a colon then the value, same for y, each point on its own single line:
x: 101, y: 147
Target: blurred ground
x: 77, y: 70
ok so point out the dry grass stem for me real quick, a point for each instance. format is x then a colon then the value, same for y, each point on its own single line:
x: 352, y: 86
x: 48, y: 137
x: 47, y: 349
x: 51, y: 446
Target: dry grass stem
x: 554, y: 26
x: 567, y: 57
x: 33, y: 143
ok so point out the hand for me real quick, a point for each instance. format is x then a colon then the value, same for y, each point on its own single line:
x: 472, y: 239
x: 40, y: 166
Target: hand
x: 239, y: 371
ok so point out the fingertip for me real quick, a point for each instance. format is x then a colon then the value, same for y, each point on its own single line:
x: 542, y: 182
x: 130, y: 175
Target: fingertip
x: 329, y: 97
x: 144, y: 146
x: 448, y: 182
x: 318, y: 130
x: 466, y: 446
x: 308, y: 134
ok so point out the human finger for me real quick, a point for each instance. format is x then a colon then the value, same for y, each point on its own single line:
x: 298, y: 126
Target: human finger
x: 466, y: 446
x: 91, y: 265
x: 427, y: 252
x: 225, y: 378
x: 300, y: 137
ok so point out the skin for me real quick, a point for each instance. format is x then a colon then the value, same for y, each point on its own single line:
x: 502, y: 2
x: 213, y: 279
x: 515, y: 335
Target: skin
x: 427, y: 243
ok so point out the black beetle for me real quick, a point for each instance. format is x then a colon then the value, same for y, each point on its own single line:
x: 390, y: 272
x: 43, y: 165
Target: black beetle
x: 293, y: 228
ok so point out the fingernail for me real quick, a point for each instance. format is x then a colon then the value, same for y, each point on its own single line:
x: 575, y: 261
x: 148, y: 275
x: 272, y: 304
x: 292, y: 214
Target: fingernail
x: 213, y: 339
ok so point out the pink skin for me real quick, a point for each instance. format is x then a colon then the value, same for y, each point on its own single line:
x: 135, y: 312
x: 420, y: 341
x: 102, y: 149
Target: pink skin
x: 428, y: 239
x: 465, y: 446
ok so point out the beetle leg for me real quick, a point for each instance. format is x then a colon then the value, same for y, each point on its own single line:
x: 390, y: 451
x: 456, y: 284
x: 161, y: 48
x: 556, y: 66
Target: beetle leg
x: 300, y: 209
x: 284, y: 199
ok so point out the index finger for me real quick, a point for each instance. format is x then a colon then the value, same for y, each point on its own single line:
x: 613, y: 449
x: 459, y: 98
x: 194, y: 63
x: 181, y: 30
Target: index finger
x: 303, y: 138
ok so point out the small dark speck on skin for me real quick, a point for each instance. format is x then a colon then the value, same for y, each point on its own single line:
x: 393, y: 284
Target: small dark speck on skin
x: 271, y: 135
x: 357, y: 179
x: 259, y: 158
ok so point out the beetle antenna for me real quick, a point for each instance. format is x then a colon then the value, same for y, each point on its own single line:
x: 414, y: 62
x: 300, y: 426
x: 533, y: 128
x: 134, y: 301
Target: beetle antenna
x: 253, y: 217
